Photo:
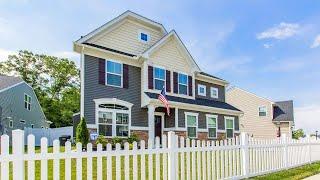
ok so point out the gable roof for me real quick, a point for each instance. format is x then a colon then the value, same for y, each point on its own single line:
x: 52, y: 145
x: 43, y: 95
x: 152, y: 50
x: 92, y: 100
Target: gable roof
x: 127, y: 14
x: 164, y: 40
x: 283, y: 111
x: 7, y: 82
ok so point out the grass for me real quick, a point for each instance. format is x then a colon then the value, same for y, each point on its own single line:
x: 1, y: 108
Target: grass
x: 293, y: 174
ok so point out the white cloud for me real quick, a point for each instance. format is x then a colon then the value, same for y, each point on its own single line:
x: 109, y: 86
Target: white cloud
x: 4, y: 53
x: 281, y: 31
x: 316, y: 42
x: 307, y: 118
x: 267, y: 46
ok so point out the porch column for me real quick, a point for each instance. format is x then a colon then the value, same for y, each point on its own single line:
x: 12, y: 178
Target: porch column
x: 151, y: 109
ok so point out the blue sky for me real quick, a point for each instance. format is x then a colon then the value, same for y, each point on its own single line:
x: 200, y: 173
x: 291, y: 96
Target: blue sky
x: 271, y: 48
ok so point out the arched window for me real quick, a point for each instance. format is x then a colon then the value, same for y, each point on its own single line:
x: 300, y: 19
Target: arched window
x: 113, y: 117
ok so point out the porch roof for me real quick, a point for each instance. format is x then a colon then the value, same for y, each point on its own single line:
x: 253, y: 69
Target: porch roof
x: 196, y: 101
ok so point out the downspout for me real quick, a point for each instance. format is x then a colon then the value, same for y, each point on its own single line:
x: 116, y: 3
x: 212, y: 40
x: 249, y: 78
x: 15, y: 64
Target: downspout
x: 82, y: 83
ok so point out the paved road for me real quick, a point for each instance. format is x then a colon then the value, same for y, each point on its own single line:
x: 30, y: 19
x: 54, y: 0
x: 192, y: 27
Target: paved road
x: 315, y: 177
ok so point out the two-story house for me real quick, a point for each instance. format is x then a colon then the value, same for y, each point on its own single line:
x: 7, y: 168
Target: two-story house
x: 19, y: 106
x: 262, y: 117
x: 125, y: 64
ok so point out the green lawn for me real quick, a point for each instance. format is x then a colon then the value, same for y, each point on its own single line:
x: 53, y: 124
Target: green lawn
x: 293, y: 174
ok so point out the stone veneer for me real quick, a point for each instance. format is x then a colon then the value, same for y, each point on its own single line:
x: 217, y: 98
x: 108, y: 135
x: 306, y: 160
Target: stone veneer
x: 142, y: 135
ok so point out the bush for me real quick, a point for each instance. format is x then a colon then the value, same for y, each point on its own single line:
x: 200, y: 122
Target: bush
x: 116, y: 140
x: 102, y: 140
x: 82, y: 133
x: 133, y: 138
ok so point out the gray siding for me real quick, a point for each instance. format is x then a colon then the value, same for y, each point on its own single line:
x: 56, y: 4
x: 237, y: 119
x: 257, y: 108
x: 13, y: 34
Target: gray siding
x: 202, y: 119
x: 12, y: 103
x: 94, y: 90
x: 221, y: 89
x: 169, y: 121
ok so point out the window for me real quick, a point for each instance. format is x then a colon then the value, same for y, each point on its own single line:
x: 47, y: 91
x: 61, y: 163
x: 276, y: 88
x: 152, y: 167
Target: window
x: 27, y: 102
x: 42, y: 127
x: 262, y: 111
x: 114, y: 73
x: 192, y: 124
x: 212, y: 126
x: 11, y: 124
x: 159, y: 78
x: 183, y: 84
x: 229, y: 123
x: 144, y: 37
x: 32, y: 125
x: 22, y: 121
x: 202, y: 90
x: 214, y: 92
x: 113, y: 120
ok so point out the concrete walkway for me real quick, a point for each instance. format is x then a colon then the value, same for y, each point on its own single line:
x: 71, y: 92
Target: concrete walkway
x: 314, y: 177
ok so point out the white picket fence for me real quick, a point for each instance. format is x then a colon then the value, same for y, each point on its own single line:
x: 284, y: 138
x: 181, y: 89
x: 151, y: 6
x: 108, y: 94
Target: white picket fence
x: 173, y: 158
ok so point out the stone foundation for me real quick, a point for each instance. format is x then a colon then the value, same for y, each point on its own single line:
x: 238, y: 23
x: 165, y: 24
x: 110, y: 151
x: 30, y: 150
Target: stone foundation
x: 202, y: 136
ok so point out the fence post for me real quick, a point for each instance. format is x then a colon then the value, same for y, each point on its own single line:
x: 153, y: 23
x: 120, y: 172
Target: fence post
x: 309, y: 148
x: 245, y: 154
x: 171, y: 156
x: 18, y: 151
x: 285, y: 150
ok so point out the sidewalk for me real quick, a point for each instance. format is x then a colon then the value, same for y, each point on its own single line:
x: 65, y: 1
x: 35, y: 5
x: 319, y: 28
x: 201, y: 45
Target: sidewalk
x: 314, y: 177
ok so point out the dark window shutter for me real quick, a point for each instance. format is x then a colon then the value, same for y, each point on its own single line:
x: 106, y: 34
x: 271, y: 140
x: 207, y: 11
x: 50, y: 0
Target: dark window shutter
x: 190, y: 85
x: 102, y: 71
x: 150, y: 77
x: 125, y: 76
x: 168, y: 81
x: 175, y: 82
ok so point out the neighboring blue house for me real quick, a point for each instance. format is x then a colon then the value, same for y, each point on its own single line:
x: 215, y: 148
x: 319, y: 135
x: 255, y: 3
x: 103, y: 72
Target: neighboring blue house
x: 19, y: 106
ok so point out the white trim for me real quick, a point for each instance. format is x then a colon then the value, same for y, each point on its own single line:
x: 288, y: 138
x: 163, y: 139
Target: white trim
x: 9, y: 87
x: 11, y: 124
x: 186, y: 124
x: 225, y: 124
x: 162, y: 120
x: 265, y: 107
x: 92, y: 126
x: 176, y: 117
x: 118, y: 19
x: 140, y: 31
x: 154, y: 78
x: 113, y: 111
x: 82, y: 59
x: 211, y: 79
x: 216, y: 89
x: 205, y: 90
x: 139, y: 128
x: 24, y: 101
x: 212, y: 116
x: 202, y: 130
x: 182, y: 73
x: 106, y: 71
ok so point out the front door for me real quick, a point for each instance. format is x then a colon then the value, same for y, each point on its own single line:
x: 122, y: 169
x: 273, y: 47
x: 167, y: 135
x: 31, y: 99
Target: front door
x: 157, y: 126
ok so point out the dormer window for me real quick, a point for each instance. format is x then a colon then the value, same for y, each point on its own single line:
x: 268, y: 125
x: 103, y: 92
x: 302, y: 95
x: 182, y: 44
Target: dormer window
x: 144, y: 36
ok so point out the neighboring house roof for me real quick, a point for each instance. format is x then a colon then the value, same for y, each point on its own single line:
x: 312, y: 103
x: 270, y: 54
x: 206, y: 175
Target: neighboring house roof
x: 163, y: 40
x: 119, y: 18
x: 283, y: 111
x: 7, y: 82
x: 197, y: 101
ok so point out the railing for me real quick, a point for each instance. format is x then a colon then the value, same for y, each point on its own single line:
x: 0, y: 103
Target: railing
x: 172, y: 158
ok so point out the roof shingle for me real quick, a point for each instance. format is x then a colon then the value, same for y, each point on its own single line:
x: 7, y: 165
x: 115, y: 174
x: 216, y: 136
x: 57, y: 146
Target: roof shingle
x: 7, y: 81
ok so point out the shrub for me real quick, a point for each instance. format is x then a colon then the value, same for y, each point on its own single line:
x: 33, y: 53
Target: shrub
x: 133, y: 138
x: 116, y: 140
x: 82, y: 133
x: 102, y: 140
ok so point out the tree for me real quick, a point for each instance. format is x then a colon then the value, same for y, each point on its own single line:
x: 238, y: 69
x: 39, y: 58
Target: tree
x: 297, y: 134
x: 82, y: 133
x: 55, y: 81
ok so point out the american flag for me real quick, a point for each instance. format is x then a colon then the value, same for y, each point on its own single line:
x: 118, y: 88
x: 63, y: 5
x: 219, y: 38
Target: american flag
x: 163, y: 98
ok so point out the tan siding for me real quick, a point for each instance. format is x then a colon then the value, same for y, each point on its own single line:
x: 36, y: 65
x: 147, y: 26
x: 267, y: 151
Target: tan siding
x: 170, y: 56
x: 125, y: 37
x: 250, y: 122
x: 285, y: 128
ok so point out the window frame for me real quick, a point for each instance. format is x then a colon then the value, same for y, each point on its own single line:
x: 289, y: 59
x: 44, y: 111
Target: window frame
x: 187, y: 84
x: 154, y: 77
x: 140, y: 32
x: 205, y: 90
x: 233, y: 125
x: 216, y: 117
x: 186, y: 114
x: 106, y: 73
x: 28, y: 103
x: 32, y: 126
x: 265, y: 107
x: 11, y: 123
x: 22, y: 121
x: 211, y: 94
